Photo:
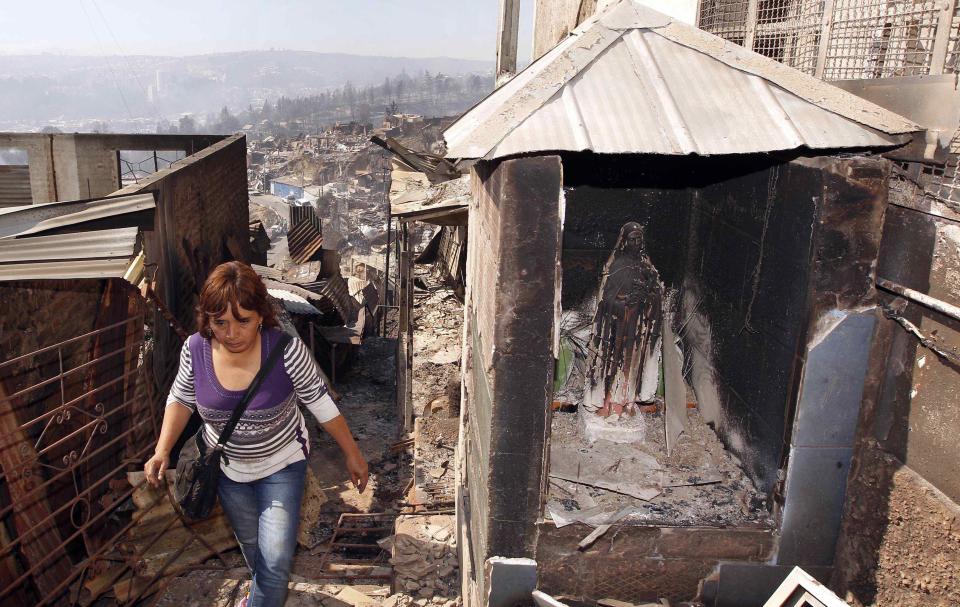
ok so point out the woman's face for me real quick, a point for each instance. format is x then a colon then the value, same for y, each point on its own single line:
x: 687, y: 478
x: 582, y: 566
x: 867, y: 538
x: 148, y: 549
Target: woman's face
x: 236, y: 333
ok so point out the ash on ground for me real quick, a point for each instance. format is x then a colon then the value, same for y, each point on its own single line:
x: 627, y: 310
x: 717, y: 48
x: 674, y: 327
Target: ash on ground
x: 700, y: 483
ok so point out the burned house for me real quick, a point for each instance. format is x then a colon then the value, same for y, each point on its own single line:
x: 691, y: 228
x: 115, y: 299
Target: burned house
x: 669, y: 311
x: 98, y: 285
x: 904, y: 482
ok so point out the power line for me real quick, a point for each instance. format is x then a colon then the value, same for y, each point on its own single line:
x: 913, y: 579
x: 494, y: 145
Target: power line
x: 113, y: 72
x: 124, y: 57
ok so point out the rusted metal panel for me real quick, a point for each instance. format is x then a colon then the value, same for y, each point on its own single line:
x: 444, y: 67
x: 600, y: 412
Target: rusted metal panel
x: 304, y: 241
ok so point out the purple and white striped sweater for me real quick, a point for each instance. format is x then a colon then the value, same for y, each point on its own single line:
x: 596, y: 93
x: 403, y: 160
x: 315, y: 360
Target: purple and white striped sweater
x: 272, y: 432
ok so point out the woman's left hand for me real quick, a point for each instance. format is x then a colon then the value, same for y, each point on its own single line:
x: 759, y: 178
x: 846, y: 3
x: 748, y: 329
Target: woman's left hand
x: 357, y: 467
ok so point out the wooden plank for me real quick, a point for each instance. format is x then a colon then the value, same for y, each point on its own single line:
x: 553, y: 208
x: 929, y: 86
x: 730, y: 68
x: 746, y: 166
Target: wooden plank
x: 43, y: 543
x: 508, y: 29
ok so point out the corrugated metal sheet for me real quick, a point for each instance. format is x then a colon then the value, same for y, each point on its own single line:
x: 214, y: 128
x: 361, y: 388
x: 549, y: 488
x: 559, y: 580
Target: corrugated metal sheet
x: 15, y: 185
x: 293, y: 303
x: 432, y: 201
x: 120, y: 242
x: 335, y: 290
x: 37, y: 218
x: 97, y: 254
x: 304, y: 241
x: 265, y: 272
x: 306, y: 213
x: 63, y: 270
x: 633, y: 81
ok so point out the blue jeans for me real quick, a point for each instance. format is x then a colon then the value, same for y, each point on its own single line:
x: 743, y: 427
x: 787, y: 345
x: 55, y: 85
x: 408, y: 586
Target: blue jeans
x: 265, y: 516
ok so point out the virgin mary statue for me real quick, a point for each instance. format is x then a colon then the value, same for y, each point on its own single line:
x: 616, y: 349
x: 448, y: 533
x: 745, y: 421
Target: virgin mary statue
x: 623, y: 367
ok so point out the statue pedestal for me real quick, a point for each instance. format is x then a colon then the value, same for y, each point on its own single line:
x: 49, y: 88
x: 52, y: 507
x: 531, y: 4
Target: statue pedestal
x: 616, y: 429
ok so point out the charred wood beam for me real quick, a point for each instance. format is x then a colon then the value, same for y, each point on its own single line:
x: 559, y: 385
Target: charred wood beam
x: 921, y: 298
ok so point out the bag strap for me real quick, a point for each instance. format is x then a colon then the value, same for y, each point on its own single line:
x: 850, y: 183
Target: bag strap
x: 252, y: 390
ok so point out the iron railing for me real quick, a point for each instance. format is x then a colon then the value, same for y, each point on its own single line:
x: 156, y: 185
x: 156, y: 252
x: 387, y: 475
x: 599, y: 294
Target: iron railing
x: 75, y: 418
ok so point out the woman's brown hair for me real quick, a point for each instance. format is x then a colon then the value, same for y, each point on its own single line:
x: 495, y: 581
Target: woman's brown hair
x: 233, y: 284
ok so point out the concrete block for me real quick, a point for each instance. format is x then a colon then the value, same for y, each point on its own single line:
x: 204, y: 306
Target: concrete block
x: 509, y: 581
x: 813, y: 504
x: 832, y: 385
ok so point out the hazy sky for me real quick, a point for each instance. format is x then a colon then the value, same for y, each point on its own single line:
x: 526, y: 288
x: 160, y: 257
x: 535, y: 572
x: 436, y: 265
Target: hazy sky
x: 408, y: 28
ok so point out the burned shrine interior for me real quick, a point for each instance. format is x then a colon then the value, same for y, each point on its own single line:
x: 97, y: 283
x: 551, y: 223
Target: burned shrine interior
x: 677, y: 336
x: 687, y: 386
x: 685, y: 306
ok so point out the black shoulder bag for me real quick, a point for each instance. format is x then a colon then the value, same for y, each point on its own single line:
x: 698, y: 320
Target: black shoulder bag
x: 198, y: 469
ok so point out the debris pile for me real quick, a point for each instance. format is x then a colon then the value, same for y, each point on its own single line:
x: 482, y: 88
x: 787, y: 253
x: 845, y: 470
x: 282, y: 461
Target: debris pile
x: 158, y: 546
x: 425, y: 560
x: 438, y: 318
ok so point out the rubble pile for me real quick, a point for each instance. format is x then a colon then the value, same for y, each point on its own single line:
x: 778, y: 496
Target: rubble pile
x: 438, y: 318
x: 425, y: 561
x: 434, y: 450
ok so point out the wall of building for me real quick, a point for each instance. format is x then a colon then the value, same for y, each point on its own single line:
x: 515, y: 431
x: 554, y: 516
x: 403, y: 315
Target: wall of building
x: 512, y: 257
x: 79, y: 166
x: 202, y: 220
x: 283, y: 190
x: 900, y: 521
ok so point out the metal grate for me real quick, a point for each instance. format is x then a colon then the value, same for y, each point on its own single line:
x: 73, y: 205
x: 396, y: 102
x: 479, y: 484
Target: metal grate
x: 881, y: 39
x: 354, y: 551
x: 952, y: 64
x: 789, y: 31
x: 938, y: 183
x: 945, y: 182
x: 724, y: 18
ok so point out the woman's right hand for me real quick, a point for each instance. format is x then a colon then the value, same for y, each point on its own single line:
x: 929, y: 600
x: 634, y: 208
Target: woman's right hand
x: 156, y: 467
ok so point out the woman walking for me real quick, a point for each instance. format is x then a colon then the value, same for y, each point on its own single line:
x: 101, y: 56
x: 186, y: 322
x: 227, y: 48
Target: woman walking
x: 264, y: 461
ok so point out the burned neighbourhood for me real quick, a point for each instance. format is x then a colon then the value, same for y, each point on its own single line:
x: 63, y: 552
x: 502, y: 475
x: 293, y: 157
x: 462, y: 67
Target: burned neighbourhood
x: 669, y: 315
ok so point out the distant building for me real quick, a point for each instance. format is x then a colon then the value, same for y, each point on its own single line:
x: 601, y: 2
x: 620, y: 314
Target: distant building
x: 288, y: 185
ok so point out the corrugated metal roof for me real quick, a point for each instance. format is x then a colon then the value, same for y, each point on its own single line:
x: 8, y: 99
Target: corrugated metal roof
x: 96, y: 254
x: 37, y: 218
x: 632, y: 80
x: 335, y: 290
x: 265, y: 272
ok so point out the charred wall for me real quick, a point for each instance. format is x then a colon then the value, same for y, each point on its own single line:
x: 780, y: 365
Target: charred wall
x: 899, y: 539
x: 734, y: 235
x: 745, y: 292
x: 601, y: 198
x: 512, y: 258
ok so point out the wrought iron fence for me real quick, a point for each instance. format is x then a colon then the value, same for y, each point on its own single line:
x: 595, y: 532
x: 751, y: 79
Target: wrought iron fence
x: 843, y: 39
x: 75, y: 418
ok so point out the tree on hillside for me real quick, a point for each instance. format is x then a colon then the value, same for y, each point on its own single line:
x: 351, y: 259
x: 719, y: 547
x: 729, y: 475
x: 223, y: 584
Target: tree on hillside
x: 187, y: 125
x: 227, y: 122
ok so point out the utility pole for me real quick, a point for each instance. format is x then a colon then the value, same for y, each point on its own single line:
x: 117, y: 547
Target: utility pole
x: 507, y: 36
